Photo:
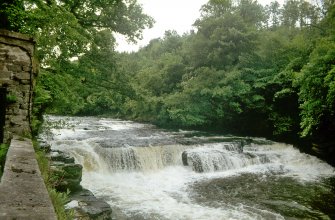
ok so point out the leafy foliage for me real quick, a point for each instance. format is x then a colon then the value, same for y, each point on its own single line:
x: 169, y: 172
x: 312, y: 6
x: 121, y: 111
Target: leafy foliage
x: 317, y: 88
x: 66, y: 29
x: 247, y: 69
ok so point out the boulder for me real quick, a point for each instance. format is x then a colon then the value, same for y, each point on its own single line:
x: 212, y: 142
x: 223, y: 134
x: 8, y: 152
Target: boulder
x: 44, y: 146
x: 61, y: 157
x: 192, y: 159
x: 87, y: 206
x: 227, y: 158
x: 67, y: 176
x: 184, y: 158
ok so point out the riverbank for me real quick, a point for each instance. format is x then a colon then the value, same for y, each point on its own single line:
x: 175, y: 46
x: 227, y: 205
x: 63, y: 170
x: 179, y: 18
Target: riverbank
x: 80, y: 203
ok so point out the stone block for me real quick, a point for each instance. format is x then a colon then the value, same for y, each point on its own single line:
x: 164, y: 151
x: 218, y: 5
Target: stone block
x: 22, y: 75
x: 22, y: 63
x: 5, y: 82
x: 25, y: 82
x: 26, y: 68
x: 24, y: 89
x: 14, y: 68
x: 2, y: 65
x: 18, y: 119
x: 5, y: 74
x: 21, y: 129
x: 11, y: 57
x: 23, y: 112
x: 24, y: 106
x: 13, y: 106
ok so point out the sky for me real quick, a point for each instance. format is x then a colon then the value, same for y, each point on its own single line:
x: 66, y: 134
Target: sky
x: 178, y: 15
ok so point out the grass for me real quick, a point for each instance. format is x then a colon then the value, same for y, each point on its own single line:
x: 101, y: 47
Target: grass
x: 58, y: 199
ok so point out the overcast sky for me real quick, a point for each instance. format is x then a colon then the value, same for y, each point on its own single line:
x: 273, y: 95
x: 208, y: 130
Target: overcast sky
x: 176, y: 15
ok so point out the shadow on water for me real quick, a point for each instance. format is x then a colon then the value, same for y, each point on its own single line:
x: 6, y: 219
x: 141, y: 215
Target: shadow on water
x: 279, y: 194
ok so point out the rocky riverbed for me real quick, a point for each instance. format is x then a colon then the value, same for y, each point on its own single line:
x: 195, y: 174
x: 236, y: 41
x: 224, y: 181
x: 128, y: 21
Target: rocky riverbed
x: 67, y: 177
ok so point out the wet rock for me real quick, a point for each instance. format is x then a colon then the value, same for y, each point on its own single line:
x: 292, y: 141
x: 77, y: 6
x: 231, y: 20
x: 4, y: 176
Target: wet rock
x: 67, y: 176
x: 87, y: 206
x: 197, y: 164
x: 61, y: 157
x: 235, y: 146
x: 193, y: 159
x: 262, y: 141
x: 220, y: 158
x: 44, y: 146
x: 184, y: 158
x: 262, y: 158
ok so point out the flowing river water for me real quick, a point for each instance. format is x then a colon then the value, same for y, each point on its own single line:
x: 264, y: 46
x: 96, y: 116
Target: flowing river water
x: 147, y: 173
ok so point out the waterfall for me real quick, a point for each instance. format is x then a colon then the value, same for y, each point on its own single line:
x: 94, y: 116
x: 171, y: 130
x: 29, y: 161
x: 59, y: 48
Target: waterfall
x: 141, y: 158
x: 93, y: 157
x: 220, y: 157
x: 201, y: 158
x: 147, y: 173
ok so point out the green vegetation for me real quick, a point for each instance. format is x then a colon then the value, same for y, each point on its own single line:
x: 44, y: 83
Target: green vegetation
x: 10, y: 98
x: 58, y: 199
x: 65, y: 30
x: 3, y: 153
x: 248, y: 69
x: 83, y: 30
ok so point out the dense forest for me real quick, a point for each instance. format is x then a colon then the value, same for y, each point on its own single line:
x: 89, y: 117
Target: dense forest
x: 246, y: 69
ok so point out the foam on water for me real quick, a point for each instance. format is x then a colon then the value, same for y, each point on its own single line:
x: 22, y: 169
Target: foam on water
x: 118, y: 125
x: 152, y: 183
x: 295, y: 164
x: 163, y: 194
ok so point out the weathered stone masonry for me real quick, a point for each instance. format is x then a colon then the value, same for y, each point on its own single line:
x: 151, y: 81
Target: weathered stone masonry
x: 17, y: 72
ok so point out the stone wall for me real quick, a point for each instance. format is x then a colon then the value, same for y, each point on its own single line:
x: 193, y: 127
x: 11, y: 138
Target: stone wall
x: 23, y: 194
x: 17, y: 73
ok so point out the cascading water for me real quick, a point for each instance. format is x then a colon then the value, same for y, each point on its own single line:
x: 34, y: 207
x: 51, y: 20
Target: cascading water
x: 147, y: 173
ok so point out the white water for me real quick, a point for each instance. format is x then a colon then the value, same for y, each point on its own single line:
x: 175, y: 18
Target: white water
x: 150, y: 182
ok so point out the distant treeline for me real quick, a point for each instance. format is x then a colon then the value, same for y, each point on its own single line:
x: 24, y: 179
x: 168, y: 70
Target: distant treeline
x: 246, y: 69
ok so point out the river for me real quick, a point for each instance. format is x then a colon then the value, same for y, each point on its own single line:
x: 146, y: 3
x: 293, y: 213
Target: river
x: 148, y: 173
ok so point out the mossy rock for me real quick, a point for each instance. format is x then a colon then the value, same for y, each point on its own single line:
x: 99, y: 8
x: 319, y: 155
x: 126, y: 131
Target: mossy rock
x: 61, y: 157
x: 66, y: 176
x: 69, y: 184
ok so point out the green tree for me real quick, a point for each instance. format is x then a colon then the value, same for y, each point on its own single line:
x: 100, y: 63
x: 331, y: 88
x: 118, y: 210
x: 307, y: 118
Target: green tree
x: 290, y: 13
x: 317, y: 94
x: 273, y: 11
x: 65, y: 29
x: 5, y: 7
